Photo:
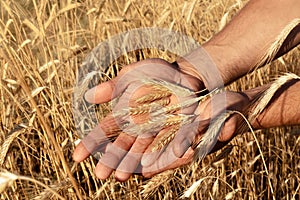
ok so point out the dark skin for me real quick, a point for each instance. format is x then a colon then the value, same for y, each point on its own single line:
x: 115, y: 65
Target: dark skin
x: 234, y: 61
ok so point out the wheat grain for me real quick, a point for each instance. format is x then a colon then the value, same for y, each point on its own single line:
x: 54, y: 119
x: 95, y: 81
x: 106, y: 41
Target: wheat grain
x: 150, y: 107
x: 152, y: 97
x: 165, y: 139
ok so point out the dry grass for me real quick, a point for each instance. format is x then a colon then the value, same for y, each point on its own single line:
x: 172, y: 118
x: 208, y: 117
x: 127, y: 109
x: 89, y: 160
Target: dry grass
x: 43, y: 43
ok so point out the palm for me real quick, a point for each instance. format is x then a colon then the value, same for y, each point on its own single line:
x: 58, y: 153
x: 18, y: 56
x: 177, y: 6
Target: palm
x: 125, y: 153
x: 181, y: 146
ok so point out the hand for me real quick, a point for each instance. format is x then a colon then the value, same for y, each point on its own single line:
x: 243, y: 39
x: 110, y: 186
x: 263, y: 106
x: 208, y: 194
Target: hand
x: 180, y: 147
x: 124, y: 154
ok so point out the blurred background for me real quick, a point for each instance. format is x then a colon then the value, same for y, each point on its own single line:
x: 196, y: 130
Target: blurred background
x: 42, y: 46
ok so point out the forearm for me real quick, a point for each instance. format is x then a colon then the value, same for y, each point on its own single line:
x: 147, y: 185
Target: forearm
x: 284, y: 108
x: 239, y: 46
x: 248, y: 36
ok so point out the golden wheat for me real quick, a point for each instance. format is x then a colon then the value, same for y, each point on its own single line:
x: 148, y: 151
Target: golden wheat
x: 165, y: 139
x: 275, y: 46
x: 48, y: 40
x: 155, y: 182
x: 260, y: 104
x: 7, y: 179
x: 7, y: 142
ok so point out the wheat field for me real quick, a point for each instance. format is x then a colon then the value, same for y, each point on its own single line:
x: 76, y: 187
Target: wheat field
x: 43, y: 44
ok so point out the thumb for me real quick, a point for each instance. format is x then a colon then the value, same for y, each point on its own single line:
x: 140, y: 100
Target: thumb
x: 101, y: 93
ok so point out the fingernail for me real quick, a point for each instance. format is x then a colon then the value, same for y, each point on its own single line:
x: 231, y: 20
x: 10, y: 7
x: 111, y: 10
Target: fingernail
x: 181, y: 147
x: 90, y: 95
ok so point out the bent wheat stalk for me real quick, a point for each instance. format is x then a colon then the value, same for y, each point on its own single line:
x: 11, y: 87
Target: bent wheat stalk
x: 7, y: 179
x: 259, y: 105
x: 276, y: 45
x: 209, y: 139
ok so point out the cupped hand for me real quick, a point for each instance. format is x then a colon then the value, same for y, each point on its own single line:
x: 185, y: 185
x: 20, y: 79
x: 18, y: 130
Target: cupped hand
x: 181, y: 146
x: 123, y: 155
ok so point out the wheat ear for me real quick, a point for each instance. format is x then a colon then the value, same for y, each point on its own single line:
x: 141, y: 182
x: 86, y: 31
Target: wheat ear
x: 260, y: 104
x: 59, y: 187
x: 8, y: 178
x: 193, y: 188
x: 210, y: 141
x: 174, y: 88
x: 276, y: 45
x: 210, y: 138
x: 165, y: 139
x: 157, y: 123
x: 153, y: 184
x: 147, y: 108
x: 160, y: 92
x: 7, y: 142
x: 153, y: 97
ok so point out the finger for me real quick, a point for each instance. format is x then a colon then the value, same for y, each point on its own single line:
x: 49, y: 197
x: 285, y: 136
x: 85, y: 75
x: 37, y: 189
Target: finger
x: 101, y: 93
x: 230, y: 128
x: 97, y: 139
x: 131, y: 161
x: 113, y: 155
x: 157, y: 146
x: 142, y: 70
x: 165, y: 159
x: 108, y: 90
x: 183, y: 139
x: 80, y: 153
x: 187, y: 135
x: 155, y: 169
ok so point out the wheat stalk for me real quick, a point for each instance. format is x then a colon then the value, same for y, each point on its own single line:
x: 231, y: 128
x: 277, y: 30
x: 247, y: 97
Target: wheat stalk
x: 8, y: 178
x: 48, y: 194
x: 210, y: 138
x: 7, y: 142
x: 153, y: 184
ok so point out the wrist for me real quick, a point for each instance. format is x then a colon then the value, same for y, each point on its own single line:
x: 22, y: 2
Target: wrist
x: 200, y: 65
x: 215, y: 63
x: 228, y: 60
x: 253, y: 95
